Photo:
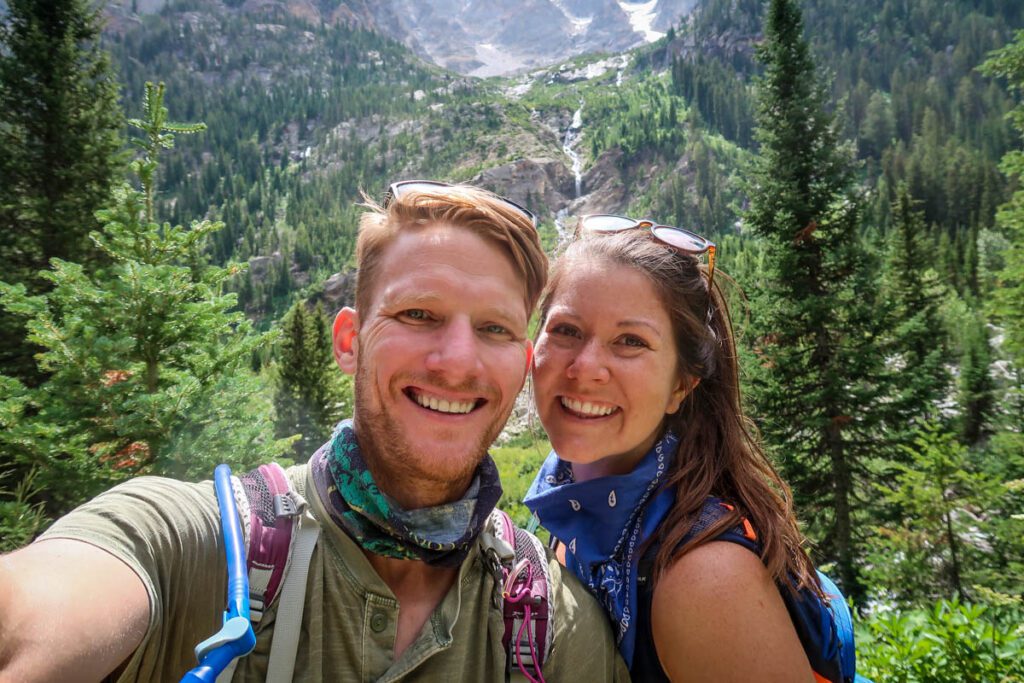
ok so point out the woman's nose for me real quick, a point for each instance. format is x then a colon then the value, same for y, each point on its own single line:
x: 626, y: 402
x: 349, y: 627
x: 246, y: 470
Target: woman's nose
x: 590, y: 364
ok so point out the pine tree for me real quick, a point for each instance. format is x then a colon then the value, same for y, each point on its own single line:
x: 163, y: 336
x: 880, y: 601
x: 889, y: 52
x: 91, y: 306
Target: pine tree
x: 817, y: 369
x: 60, y: 132
x: 915, y: 341
x: 146, y: 364
x: 310, y: 396
x: 926, y: 553
x: 1006, y: 302
x: 976, y: 390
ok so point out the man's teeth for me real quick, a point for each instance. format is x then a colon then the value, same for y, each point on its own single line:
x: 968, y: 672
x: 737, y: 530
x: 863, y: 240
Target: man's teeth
x: 587, y: 408
x: 443, y: 406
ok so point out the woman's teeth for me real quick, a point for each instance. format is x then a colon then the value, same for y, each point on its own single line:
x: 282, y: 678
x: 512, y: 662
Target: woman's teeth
x: 443, y: 406
x: 587, y: 408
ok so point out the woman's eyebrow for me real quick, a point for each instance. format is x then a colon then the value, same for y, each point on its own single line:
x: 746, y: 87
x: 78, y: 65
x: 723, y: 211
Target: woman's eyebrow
x: 636, y: 322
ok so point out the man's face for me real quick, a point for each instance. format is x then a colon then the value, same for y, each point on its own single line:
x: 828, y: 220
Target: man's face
x: 439, y: 359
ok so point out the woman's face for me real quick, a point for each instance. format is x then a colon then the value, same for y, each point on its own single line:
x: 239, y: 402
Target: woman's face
x: 605, y: 372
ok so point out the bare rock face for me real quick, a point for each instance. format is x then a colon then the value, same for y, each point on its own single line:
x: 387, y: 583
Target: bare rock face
x: 604, y: 186
x: 542, y: 185
x: 493, y: 37
x: 339, y: 290
x: 260, y: 266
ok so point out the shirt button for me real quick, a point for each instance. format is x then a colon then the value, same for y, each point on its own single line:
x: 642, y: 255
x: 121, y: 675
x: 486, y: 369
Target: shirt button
x: 378, y: 622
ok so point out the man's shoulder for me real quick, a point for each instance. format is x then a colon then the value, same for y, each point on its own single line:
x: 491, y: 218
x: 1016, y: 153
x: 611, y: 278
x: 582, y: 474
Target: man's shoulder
x: 146, y: 496
x: 576, y: 608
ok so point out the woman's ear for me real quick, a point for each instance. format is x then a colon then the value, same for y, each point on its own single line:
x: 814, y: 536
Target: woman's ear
x: 529, y: 356
x: 346, y: 339
x: 682, y: 390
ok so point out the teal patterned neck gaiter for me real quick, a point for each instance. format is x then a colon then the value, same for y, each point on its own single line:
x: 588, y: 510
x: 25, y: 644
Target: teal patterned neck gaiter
x: 440, y: 535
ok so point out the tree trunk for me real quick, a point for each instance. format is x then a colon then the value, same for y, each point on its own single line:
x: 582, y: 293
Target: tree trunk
x: 842, y: 486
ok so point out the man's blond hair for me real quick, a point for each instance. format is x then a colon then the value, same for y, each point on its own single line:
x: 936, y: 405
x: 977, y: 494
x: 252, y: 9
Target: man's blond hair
x: 472, y: 208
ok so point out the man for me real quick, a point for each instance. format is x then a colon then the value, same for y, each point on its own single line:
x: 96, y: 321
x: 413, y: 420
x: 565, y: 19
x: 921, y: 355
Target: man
x: 397, y: 588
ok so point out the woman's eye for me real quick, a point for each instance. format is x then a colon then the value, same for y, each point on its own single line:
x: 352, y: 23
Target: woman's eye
x: 634, y: 342
x: 565, y: 330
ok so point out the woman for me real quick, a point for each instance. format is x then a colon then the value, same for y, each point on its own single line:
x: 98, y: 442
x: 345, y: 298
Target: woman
x: 654, y: 466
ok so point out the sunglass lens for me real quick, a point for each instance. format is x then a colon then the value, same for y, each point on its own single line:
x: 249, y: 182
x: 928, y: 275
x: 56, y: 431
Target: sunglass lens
x: 399, y: 189
x: 607, y: 223
x: 681, y: 239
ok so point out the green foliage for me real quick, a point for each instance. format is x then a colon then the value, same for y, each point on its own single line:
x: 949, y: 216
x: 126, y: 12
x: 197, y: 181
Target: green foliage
x: 1007, y: 299
x: 953, y: 642
x: 21, y: 518
x: 311, y: 393
x: 21, y: 513
x: 59, y: 139
x: 975, y: 386
x: 816, y: 373
x: 146, y: 365
x: 935, y: 546
x: 517, y: 466
x: 914, y: 338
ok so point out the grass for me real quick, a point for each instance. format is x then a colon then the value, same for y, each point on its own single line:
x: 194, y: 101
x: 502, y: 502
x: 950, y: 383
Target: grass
x: 517, y: 465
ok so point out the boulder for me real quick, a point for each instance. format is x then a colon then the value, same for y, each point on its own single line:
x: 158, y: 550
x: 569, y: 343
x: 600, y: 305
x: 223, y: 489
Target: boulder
x: 339, y: 290
x: 259, y: 266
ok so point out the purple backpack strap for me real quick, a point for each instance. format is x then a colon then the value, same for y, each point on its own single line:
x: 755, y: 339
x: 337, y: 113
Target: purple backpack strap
x: 526, y: 600
x: 272, y: 517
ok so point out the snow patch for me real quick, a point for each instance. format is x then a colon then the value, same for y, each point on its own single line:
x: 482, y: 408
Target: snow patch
x: 579, y: 24
x: 641, y: 16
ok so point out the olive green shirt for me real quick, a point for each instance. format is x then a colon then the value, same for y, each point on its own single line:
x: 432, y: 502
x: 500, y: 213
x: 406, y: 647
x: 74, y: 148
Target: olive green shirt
x: 168, y: 532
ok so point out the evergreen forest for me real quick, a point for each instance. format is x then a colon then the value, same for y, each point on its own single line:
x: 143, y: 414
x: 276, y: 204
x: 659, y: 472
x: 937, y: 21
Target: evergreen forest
x: 179, y: 195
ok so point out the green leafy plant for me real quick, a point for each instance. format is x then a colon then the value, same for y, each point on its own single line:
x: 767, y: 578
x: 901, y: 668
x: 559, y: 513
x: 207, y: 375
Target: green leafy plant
x: 953, y: 642
x: 146, y: 362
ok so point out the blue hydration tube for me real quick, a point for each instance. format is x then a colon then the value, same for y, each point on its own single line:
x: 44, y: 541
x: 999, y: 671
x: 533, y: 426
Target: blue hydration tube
x: 236, y: 637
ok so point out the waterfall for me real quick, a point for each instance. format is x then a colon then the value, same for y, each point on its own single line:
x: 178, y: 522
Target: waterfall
x: 563, y: 235
x: 572, y: 135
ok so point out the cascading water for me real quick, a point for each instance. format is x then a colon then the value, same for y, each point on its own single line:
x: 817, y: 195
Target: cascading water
x: 572, y: 136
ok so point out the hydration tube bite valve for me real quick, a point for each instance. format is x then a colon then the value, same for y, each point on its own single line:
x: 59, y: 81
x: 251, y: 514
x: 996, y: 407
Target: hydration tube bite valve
x: 236, y: 637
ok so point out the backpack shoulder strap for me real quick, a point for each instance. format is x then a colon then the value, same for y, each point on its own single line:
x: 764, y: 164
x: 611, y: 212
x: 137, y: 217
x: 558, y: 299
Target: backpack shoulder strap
x: 522, y: 568
x: 274, y: 511
x: 714, y: 509
x: 282, y: 535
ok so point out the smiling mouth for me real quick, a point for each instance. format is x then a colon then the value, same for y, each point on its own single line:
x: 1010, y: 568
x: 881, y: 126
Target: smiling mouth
x: 586, y: 409
x: 443, y: 405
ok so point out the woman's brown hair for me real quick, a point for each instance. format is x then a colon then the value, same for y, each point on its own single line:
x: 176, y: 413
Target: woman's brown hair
x: 719, y: 451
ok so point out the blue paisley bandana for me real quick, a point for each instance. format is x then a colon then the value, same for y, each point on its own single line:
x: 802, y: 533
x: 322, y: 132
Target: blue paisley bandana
x: 603, y: 523
x: 440, y: 535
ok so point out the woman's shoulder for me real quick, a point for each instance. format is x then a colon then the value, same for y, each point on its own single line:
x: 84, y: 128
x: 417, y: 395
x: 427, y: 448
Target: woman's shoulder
x: 717, y: 614
x: 717, y: 569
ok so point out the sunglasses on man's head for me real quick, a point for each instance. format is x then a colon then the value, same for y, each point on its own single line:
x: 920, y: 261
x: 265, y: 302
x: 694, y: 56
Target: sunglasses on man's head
x: 679, y: 238
x: 405, y: 186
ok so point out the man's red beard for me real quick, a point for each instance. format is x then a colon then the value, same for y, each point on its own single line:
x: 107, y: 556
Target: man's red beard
x: 394, y: 460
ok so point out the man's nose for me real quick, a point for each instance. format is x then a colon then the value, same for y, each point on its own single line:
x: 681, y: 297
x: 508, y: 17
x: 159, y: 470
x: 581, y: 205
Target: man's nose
x: 590, y: 364
x: 457, y: 355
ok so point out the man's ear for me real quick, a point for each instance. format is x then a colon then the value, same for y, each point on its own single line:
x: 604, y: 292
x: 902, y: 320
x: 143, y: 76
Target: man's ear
x: 529, y: 355
x: 346, y: 339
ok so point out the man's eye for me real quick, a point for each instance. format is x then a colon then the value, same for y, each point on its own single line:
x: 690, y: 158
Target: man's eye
x: 494, y: 328
x: 417, y: 314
